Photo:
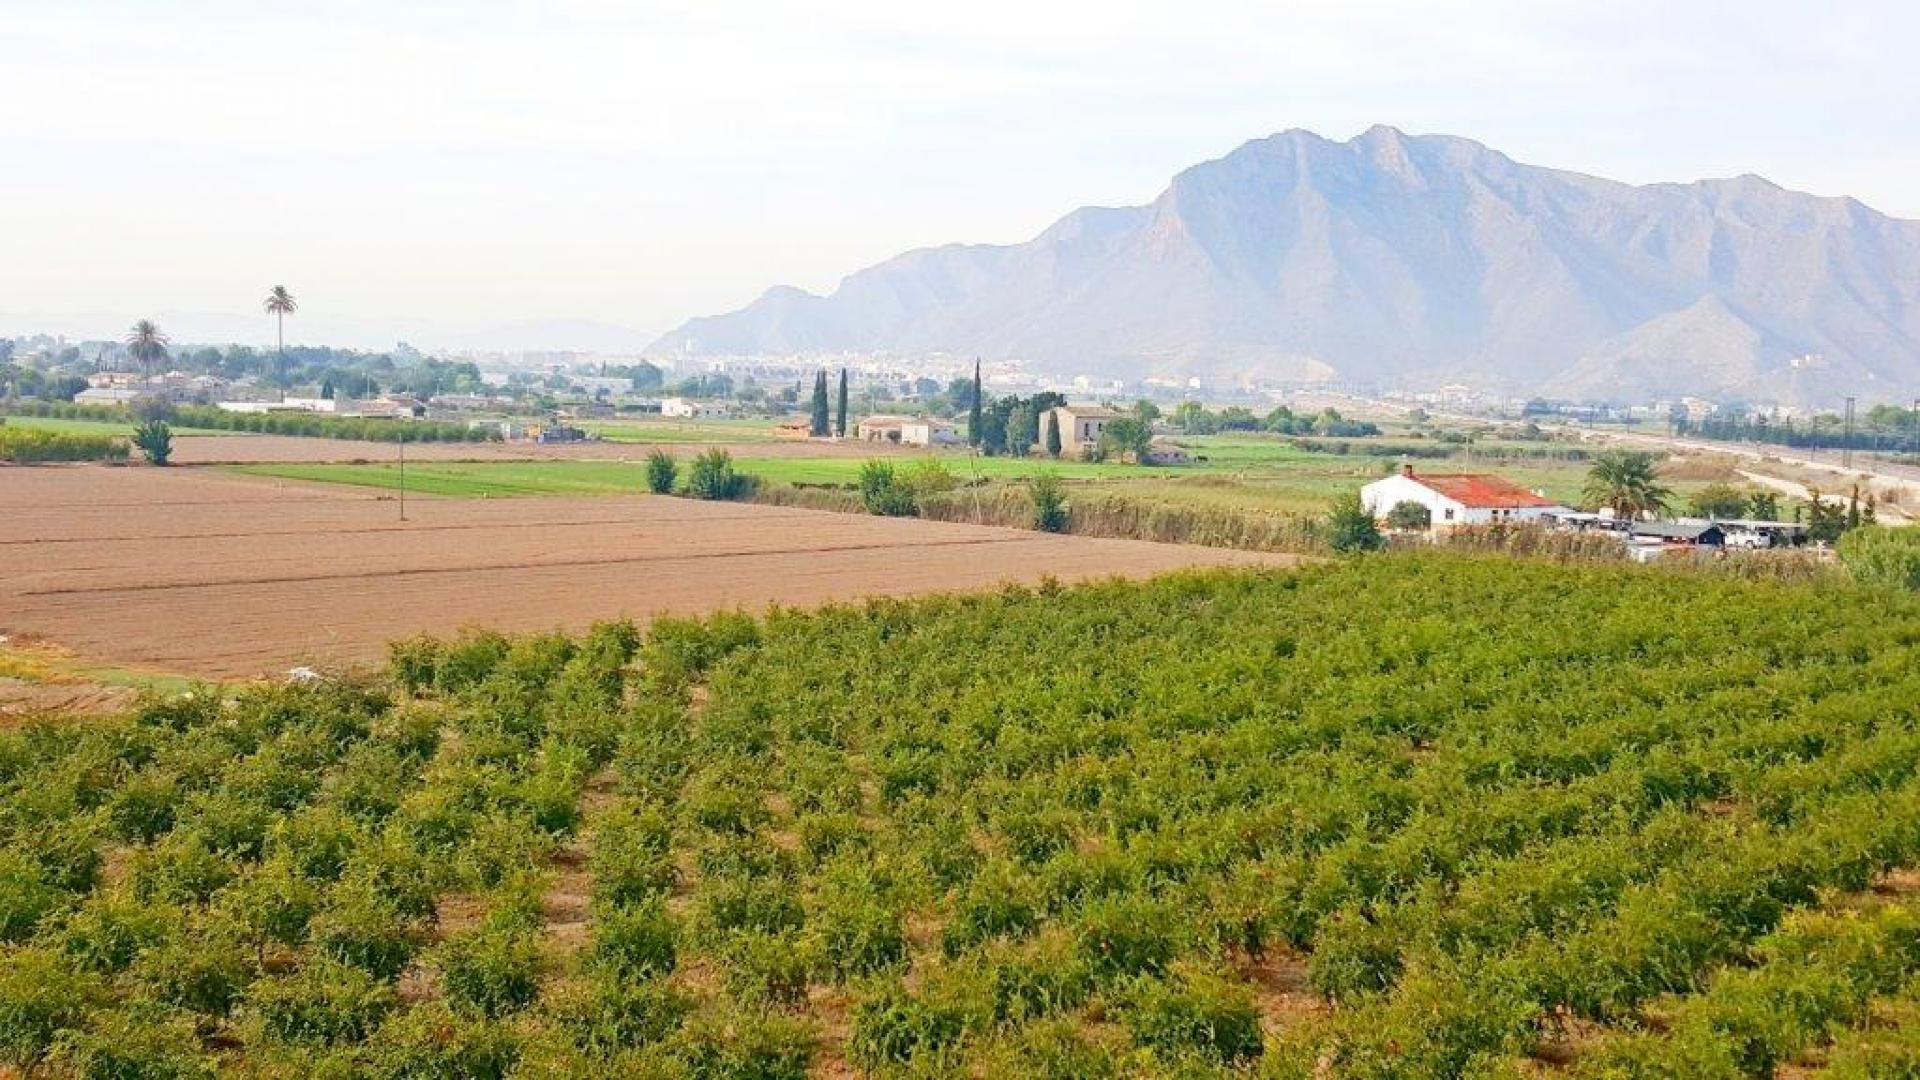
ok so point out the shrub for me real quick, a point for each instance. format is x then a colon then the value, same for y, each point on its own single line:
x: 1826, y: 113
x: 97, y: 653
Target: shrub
x: 748, y: 1044
x: 662, y: 471
x: 111, y: 929
x: 205, y: 971
x: 1351, y: 528
x: 431, y: 1041
x: 1194, y: 1014
x: 631, y: 858
x: 1410, y: 516
x: 155, y: 440
x: 39, y: 997
x: 25, y: 897
x: 1049, y: 498
x: 895, y: 1026
x: 147, y: 1044
x: 604, y: 1016
x: 633, y: 942
x: 1882, y: 557
x: 322, y: 1004
x: 765, y: 968
x: 712, y: 477
x: 359, y: 928
x: 491, y: 970
x: 884, y: 493
x: 1127, y: 936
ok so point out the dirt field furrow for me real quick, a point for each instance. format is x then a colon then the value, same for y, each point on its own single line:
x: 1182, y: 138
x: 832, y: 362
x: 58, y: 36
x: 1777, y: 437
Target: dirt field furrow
x: 203, y: 573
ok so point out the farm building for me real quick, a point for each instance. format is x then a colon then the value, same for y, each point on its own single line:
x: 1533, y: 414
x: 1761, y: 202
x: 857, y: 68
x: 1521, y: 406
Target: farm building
x: 1458, y: 498
x: 1165, y: 452
x: 880, y: 429
x: 797, y: 428
x: 689, y: 409
x: 929, y: 431
x: 1080, y: 426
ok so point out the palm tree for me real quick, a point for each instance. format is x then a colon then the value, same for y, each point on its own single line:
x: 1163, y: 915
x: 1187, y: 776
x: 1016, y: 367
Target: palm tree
x: 280, y: 304
x: 147, y: 344
x: 1626, y: 482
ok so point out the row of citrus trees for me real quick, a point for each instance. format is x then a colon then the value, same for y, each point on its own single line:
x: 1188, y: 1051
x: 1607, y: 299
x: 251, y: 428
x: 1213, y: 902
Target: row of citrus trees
x: 1408, y: 817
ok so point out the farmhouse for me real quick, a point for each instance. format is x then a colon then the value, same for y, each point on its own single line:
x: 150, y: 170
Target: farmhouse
x: 928, y: 431
x: 1454, y: 499
x: 880, y: 429
x: 1079, y: 425
x: 688, y: 409
x: 1167, y: 452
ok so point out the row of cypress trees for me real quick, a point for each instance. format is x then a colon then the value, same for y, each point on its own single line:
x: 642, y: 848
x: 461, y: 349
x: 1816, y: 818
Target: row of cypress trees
x: 823, y: 423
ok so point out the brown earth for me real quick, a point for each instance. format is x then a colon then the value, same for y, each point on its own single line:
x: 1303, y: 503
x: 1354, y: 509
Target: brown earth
x: 192, y: 572
x: 256, y: 449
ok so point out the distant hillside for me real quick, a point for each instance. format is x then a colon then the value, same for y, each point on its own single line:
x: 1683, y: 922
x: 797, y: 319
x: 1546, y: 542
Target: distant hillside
x: 1404, y: 259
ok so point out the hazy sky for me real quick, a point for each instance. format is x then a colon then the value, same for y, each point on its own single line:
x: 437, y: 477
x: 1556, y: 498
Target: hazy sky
x: 440, y: 167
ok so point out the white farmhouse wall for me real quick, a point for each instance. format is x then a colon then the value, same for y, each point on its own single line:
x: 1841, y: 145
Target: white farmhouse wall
x: 1382, y: 496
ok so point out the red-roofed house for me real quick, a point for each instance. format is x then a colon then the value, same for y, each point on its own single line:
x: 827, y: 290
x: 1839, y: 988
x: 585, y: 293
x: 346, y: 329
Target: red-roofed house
x: 1457, y: 498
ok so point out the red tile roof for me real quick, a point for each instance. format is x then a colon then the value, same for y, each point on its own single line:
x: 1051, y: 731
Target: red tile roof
x: 1481, y: 491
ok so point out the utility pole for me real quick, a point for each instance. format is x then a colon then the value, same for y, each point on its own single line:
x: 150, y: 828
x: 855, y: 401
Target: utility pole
x: 1846, y: 439
x: 403, y: 474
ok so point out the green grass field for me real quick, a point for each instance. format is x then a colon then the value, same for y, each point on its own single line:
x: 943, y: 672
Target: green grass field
x: 1231, y: 472
x: 658, y: 430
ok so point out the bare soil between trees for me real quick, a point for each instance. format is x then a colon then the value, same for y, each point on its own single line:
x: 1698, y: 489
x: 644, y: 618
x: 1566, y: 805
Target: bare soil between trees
x: 192, y: 572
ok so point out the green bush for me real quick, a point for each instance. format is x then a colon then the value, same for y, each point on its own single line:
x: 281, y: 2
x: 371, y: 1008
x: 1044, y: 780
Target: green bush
x: 712, y: 477
x: 361, y: 929
x: 1882, y: 557
x: 40, y: 997
x: 322, y: 1004
x: 604, y: 1016
x: 1194, y: 1014
x: 634, y: 941
x: 662, y: 471
x: 1049, y: 498
x: 491, y: 970
x: 144, y: 1044
x: 885, y: 493
x: 155, y: 440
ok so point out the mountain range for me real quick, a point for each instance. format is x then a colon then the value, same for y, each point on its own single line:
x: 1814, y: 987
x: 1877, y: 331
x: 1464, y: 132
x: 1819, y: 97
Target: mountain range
x: 1403, y: 261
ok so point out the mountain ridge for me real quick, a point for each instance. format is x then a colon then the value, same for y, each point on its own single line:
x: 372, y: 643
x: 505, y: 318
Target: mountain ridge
x: 1397, y: 260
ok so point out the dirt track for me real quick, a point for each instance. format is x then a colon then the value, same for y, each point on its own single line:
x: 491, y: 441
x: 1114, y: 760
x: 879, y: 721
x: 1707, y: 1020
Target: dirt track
x: 209, y: 574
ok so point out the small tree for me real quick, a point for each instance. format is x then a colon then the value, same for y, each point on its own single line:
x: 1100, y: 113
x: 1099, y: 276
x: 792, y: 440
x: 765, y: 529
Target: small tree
x: 712, y: 477
x: 1628, y: 483
x: 155, y: 439
x: 840, y: 422
x: 1127, y: 436
x: 1351, y: 528
x: 973, y: 411
x: 883, y: 492
x: 1049, y: 502
x: 822, y: 423
x: 1053, y: 435
x: 662, y: 471
x: 1719, y: 501
x: 1410, y: 516
x: 1763, y: 506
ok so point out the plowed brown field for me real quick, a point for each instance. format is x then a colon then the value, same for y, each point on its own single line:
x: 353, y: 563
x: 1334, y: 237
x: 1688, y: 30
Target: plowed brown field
x: 210, y: 574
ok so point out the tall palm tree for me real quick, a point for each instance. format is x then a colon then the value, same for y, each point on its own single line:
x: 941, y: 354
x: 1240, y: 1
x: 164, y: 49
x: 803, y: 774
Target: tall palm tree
x: 280, y: 304
x: 147, y: 344
x: 1626, y: 482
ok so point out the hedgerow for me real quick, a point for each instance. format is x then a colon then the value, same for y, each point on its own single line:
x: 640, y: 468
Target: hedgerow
x: 1477, y: 811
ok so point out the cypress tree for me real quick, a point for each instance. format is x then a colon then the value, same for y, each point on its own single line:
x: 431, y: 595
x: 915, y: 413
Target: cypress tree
x: 973, y: 419
x: 820, y: 418
x: 840, y: 425
x: 1053, y: 434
